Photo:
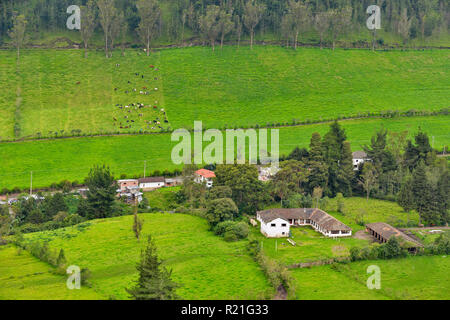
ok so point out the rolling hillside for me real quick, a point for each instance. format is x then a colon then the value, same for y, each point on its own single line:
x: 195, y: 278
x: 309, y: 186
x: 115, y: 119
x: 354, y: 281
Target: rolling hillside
x: 59, y: 159
x: 205, y: 265
x: 58, y: 92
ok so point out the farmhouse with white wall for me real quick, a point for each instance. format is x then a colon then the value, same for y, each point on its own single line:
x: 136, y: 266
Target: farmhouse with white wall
x: 276, y: 223
x: 151, y: 183
x: 359, y: 157
x: 204, y: 176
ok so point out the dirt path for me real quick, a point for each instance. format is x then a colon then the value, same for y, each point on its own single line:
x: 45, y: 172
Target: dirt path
x: 281, y: 293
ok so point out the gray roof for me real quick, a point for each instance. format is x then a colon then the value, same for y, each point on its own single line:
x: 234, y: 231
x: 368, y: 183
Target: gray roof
x: 151, y: 179
x: 320, y: 217
x: 359, y: 155
x: 387, y: 231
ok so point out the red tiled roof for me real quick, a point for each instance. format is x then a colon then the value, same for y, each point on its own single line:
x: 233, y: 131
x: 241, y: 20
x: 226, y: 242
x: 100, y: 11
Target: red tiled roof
x: 205, y: 173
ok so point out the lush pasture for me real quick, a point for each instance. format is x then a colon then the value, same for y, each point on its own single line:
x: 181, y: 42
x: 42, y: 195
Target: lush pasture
x: 229, y: 87
x: 275, y: 85
x: 310, y: 246
x: 374, y: 210
x: 162, y: 199
x: 56, y: 160
x: 61, y: 92
x: 23, y: 277
x: 206, y: 265
x: 409, y: 279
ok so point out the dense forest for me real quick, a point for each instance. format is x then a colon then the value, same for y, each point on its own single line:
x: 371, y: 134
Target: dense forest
x: 219, y: 20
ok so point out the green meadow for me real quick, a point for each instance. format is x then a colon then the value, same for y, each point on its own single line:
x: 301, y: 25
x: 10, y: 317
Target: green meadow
x: 412, y: 278
x: 70, y: 159
x: 372, y: 210
x: 205, y: 265
x: 58, y: 92
x: 24, y: 277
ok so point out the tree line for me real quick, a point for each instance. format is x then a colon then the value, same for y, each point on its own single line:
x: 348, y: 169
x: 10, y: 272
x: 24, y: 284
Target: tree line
x: 176, y: 21
x: 397, y: 169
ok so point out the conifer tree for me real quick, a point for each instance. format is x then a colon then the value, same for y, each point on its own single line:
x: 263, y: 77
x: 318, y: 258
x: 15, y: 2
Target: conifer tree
x: 318, y: 171
x: 154, y: 281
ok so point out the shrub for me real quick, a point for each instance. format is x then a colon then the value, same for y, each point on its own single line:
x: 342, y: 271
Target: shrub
x: 232, y: 230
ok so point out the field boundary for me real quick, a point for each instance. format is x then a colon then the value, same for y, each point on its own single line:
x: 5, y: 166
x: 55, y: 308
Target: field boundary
x: 370, y: 115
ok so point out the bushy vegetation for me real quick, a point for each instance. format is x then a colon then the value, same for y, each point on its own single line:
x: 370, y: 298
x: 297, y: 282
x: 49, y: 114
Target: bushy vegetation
x: 389, y: 250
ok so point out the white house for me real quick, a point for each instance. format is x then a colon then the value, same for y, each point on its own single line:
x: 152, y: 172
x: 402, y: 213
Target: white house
x: 204, y: 176
x: 275, y: 223
x: 148, y: 184
x: 358, y: 158
x: 274, y: 227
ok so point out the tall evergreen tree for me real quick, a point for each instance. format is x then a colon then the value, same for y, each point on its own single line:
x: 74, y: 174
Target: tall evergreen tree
x: 154, y: 282
x: 333, y: 145
x: 318, y: 171
x: 102, y: 192
x: 346, y: 174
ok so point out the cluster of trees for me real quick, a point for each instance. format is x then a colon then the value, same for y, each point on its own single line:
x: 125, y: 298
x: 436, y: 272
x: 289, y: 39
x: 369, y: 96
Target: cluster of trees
x: 394, y: 248
x: 397, y: 169
x: 65, y: 209
x: 212, y: 20
x: 225, y: 204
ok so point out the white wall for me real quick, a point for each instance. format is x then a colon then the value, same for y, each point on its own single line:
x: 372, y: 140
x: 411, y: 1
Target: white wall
x: 276, y: 231
x: 151, y: 185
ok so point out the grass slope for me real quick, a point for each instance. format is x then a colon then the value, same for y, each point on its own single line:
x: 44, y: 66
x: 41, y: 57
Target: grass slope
x: 229, y: 87
x: 409, y: 279
x: 55, y: 160
x: 23, y: 277
x: 206, y: 266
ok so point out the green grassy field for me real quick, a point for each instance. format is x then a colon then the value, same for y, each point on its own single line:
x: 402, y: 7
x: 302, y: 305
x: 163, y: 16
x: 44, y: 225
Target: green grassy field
x: 162, y: 199
x: 408, y: 279
x: 229, y: 87
x: 310, y: 246
x: 56, y: 160
x: 373, y: 211
x: 24, y: 277
x: 206, y: 265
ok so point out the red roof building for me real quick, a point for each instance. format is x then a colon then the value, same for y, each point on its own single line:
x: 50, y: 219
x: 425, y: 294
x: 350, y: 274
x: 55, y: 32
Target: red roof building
x: 204, y: 176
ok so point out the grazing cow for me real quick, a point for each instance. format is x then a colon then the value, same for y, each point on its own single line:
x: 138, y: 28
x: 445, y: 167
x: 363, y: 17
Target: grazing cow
x: 78, y: 82
x: 166, y: 121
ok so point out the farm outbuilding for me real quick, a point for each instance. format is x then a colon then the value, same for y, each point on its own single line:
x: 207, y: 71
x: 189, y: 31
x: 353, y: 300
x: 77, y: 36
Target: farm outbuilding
x: 382, y: 232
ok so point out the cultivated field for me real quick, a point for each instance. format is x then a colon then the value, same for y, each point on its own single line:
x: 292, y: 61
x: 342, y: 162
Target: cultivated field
x: 55, y: 160
x: 205, y: 265
x: 407, y: 279
x: 61, y: 92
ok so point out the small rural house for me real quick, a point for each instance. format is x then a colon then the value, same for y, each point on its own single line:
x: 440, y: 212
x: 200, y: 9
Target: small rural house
x: 204, y: 176
x: 172, y: 182
x: 359, y: 157
x: 276, y: 223
x: 382, y: 232
x: 266, y: 173
x: 151, y: 183
x: 124, y: 184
